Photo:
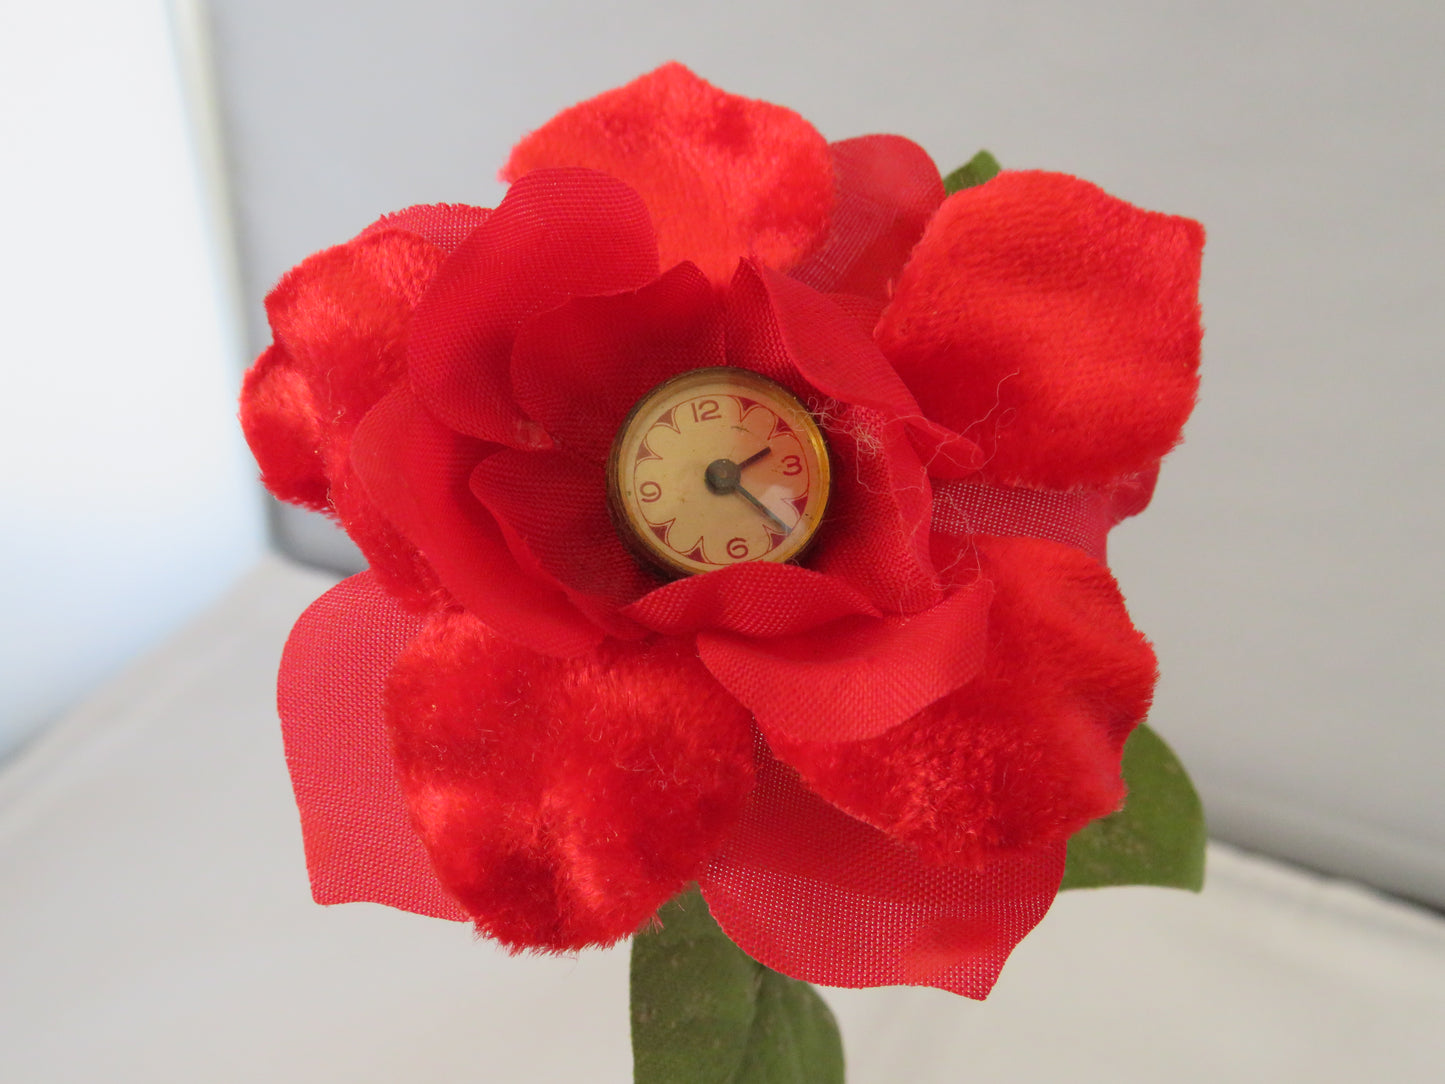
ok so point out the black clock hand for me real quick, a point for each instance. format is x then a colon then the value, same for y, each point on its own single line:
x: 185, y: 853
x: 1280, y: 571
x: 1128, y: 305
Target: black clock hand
x: 767, y: 451
x: 722, y: 478
x: 761, y: 507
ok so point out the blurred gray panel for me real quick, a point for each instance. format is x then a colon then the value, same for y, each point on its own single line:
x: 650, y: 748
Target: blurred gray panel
x: 1289, y: 567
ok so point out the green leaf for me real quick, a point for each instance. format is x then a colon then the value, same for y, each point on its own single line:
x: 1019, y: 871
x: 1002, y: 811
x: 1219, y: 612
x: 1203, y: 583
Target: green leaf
x: 981, y: 167
x: 704, y: 1012
x: 1156, y: 839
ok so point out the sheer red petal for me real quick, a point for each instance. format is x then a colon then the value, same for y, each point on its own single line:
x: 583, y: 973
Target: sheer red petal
x: 398, y: 565
x: 360, y: 844
x: 445, y: 225
x: 810, y: 892
x: 1079, y: 518
x: 563, y: 801
x: 723, y: 176
x: 1028, y: 753
x: 755, y: 598
x: 888, y: 189
x: 418, y: 472
x: 1055, y: 324
x: 279, y: 418
x: 552, y: 508
x: 557, y: 235
x: 579, y: 369
x: 856, y: 677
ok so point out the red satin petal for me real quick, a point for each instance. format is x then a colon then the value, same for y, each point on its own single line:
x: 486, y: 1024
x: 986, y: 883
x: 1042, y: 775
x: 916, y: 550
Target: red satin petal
x: 445, y: 225
x: 876, y: 528
x: 838, y: 360
x: 1057, y: 325
x: 1029, y: 752
x: 888, y: 189
x: 360, y: 844
x: 857, y: 677
x: 752, y: 599
x: 552, y: 507
x: 557, y: 235
x: 279, y: 418
x: 876, y: 531
x: 419, y: 474
x: 864, y: 311
x: 581, y: 368
x: 723, y: 176
x: 564, y: 801
x: 793, y: 327
x: 810, y: 892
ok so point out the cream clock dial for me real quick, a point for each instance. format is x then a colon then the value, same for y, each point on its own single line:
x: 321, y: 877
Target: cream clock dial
x: 715, y: 467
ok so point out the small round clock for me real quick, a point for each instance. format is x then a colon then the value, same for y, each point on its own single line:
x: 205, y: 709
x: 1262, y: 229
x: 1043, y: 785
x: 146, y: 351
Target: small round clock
x: 715, y: 467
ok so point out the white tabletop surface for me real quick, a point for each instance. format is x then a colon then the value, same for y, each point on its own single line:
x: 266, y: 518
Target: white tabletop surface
x: 155, y: 925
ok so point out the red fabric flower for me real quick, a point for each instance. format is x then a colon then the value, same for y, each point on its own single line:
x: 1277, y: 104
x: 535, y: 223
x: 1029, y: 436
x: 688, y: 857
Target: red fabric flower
x: 871, y: 760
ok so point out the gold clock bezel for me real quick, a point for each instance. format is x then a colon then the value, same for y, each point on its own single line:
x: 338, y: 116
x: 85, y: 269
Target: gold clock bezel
x: 628, y: 519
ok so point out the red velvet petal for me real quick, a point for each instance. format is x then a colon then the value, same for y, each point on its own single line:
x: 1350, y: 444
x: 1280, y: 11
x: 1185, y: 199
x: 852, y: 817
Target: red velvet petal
x: 723, y: 176
x: 552, y: 508
x: 419, y: 473
x: 1057, y: 325
x: 360, y: 844
x: 340, y: 319
x: 279, y: 418
x: 857, y: 677
x: 755, y: 598
x: 888, y: 189
x: 445, y: 225
x: 341, y: 316
x: 564, y: 801
x: 1133, y: 494
x: 581, y: 368
x: 819, y: 896
x: 557, y: 235
x: 1028, y: 753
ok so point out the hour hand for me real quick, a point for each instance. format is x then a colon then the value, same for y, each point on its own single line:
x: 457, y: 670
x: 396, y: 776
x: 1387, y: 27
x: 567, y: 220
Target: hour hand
x: 767, y: 451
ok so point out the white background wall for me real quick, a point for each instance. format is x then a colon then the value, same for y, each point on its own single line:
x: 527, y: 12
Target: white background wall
x: 126, y: 499
x: 1290, y: 567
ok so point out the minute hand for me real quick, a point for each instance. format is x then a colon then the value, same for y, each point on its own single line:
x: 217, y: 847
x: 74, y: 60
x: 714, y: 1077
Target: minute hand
x: 761, y: 507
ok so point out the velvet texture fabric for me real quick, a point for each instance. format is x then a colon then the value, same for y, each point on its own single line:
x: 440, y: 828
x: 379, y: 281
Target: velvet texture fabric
x: 872, y: 760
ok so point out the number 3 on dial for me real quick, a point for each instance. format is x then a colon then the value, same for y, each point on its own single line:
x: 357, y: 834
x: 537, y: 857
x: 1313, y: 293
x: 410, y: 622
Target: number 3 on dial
x: 715, y: 467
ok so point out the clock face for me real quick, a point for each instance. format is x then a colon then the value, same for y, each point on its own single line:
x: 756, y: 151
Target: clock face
x: 715, y: 467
